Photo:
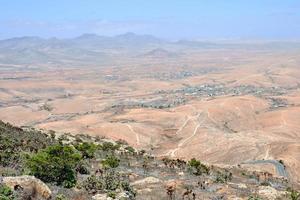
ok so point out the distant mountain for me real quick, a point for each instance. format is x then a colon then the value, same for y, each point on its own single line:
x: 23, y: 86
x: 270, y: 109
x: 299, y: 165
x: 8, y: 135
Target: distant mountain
x: 263, y: 45
x: 124, y: 41
x: 134, y: 38
x: 160, y: 53
x: 196, y: 44
x: 95, y: 49
x: 85, y: 48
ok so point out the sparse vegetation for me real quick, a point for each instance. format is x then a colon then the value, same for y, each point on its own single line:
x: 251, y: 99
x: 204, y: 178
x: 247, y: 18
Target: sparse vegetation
x: 223, y: 177
x: 107, y: 168
x: 46, y: 107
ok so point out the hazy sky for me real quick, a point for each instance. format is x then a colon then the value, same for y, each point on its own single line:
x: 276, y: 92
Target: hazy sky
x: 173, y: 19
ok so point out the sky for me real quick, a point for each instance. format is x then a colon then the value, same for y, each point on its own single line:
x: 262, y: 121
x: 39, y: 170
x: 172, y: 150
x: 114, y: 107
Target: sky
x: 169, y: 19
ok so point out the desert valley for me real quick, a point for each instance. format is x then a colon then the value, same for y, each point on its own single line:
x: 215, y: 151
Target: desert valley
x: 224, y: 103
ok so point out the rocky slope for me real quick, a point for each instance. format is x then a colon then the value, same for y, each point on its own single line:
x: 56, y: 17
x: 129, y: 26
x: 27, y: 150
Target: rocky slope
x: 105, y: 169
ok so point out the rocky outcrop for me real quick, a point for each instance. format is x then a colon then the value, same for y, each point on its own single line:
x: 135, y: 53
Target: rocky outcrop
x: 30, y: 185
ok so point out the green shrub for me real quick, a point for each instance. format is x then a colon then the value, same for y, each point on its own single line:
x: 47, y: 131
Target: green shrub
x: 112, y: 194
x: 14, y: 141
x: 265, y: 183
x: 6, y: 193
x: 108, y: 146
x: 87, y: 149
x: 61, y: 197
x: 197, y: 167
x: 82, y: 167
x: 223, y: 177
x: 127, y: 187
x: 93, y: 184
x: 56, y: 164
x: 130, y: 149
x: 110, y: 162
x: 293, y: 194
x: 111, y: 180
x: 71, y: 182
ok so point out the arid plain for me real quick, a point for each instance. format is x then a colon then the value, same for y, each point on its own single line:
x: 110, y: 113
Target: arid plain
x: 224, y: 106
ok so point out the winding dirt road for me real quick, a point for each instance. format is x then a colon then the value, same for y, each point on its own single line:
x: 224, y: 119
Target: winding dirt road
x: 136, y: 134
x: 172, y: 152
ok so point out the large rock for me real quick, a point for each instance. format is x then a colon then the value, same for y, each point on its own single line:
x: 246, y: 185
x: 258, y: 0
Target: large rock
x: 120, y: 196
x: 101, y: 197
x: 146, y: 181
x: 34, y: 187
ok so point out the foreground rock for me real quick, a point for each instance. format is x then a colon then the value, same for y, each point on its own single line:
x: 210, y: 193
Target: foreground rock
x: 29, y: 186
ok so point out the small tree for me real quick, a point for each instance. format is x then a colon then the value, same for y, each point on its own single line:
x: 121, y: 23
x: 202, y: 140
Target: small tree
x: 109, y: 146
x: 197, y: 167
x: 55, y: 164
x: 111, y: 162
x: 87, y: 149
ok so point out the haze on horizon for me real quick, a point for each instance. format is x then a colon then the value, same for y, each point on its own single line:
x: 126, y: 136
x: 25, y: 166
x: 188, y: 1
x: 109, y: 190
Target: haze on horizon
x: 169, y: 19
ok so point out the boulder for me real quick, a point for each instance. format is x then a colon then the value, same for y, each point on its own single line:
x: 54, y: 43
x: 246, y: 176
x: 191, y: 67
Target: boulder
x: 33, y: 187
x: 101, y: 197
x: 146, y: 181
x: 123, y: 196
x: 180, y: 173
x: 120, y: 195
